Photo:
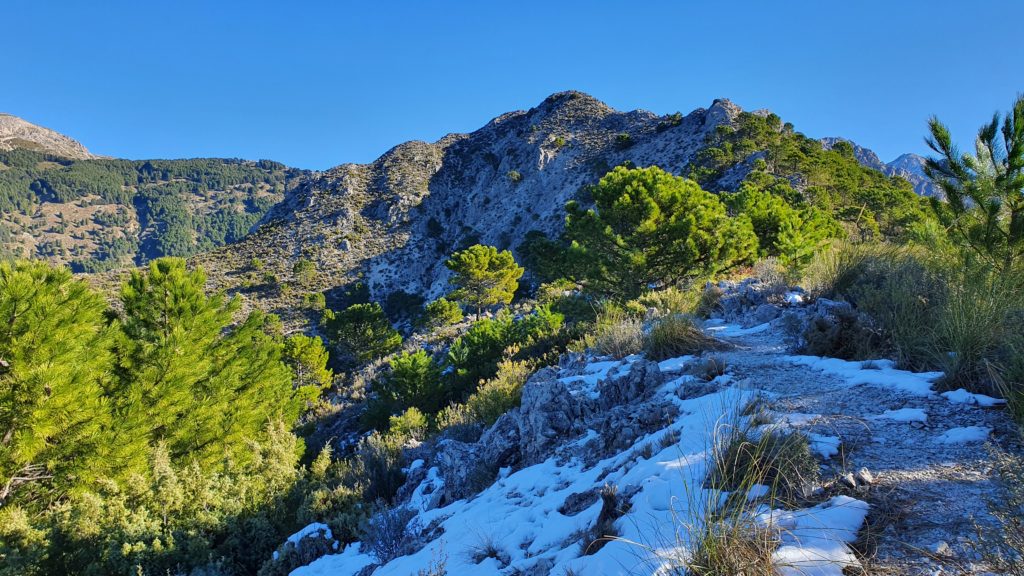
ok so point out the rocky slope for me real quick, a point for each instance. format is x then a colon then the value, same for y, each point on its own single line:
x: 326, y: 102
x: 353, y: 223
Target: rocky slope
x: 391, y: 223
x: 18, y: 133
x: 901, y: 486
x: 910, y: 167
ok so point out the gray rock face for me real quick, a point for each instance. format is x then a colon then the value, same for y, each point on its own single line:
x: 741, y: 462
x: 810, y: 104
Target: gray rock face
x: 17, y: 133
x: 558, y: 405
x: 549, y: 413
x: 402, y: 214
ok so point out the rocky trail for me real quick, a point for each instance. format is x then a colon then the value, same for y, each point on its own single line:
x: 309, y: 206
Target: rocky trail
x: 904, y: 484
x: 929, y: 473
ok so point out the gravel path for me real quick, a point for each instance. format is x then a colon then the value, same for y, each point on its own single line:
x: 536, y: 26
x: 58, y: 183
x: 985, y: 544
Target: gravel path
x: 928, y: 497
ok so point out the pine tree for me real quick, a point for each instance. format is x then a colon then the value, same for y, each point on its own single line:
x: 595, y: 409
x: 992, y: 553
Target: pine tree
x: 483, y: 276
x: 54, y: 363
x: 650, y: 229
x: 984, y: 191
x: 361, y: 331
x: 307, y: 357
x: 190, y: 380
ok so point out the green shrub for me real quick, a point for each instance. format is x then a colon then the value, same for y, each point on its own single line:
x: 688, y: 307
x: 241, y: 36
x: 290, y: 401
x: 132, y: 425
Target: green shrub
x: 361, y: 331
x: 514, y: 176
x: 440, y: 313
x: 314, y: 301
x: 411, y: 424
x: 413, y: 381
x: 672, y: 300
x: 304, y: 272
x: 499, y: 394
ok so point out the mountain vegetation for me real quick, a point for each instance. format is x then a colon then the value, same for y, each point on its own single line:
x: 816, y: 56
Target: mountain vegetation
x: 99, y: 214
x: 187, y: 430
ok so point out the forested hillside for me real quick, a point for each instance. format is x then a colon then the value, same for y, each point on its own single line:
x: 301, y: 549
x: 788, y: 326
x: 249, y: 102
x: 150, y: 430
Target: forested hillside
x: 99, y: 214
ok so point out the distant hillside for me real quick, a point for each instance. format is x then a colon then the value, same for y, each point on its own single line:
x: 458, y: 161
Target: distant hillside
x: 910, y: 167
x: 16, y: 133
x: 99, y: 214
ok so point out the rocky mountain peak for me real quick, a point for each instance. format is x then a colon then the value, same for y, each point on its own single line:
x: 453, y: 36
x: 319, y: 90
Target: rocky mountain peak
x: 18, y: 133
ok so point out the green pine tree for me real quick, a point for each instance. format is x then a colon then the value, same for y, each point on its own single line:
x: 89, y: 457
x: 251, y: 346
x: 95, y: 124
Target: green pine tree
x: 483, y: 276
x: 984, y: 191
x: 651, y: 229
x: 54, y: 365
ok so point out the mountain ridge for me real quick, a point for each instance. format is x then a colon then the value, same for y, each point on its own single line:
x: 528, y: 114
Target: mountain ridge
x: 16, y: 132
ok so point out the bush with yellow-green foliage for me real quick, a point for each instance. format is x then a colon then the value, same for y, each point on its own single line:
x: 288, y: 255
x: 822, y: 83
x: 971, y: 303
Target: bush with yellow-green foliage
x: 492, y: 398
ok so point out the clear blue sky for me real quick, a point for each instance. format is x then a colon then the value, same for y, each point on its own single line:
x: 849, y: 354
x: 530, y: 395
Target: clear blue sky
x: 315, y: 84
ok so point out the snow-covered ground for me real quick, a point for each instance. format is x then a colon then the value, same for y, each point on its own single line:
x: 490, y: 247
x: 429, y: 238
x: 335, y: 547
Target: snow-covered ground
x: 857, y: 415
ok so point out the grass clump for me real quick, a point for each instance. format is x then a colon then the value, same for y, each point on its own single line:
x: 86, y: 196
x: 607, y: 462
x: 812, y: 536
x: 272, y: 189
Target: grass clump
x: 616, y: 334
x: 604, y: 530
x: 729, y: 548
x: 676, y: 335
x: 781, y: 461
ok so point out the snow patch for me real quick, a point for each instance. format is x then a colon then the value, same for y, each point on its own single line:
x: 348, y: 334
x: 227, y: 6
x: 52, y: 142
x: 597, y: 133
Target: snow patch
x: 872, y: 373
x: 964, y: 435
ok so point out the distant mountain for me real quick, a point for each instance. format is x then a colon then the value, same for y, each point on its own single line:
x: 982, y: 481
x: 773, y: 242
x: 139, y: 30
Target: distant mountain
x: 16, y: 133
x: 908, y: 166
x: 100, y: 214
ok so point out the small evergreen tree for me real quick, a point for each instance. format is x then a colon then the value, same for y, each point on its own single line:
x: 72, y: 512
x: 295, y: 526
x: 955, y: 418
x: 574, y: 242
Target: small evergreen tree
x: 483, y: 276
x: 649, y: 229
x: 361, y: 331
x: 984, y: 191
x: 307, y: 357
x: 189, y: 380
x: 304, y: 272
x: 791, y: 233
x: 439, y: 313
x: 413, y: 381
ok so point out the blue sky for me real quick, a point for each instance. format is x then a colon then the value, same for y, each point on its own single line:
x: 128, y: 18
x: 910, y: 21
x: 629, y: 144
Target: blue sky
x: 316, y: 84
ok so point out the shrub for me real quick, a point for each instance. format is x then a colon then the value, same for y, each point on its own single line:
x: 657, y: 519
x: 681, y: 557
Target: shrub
x: 391, y: 533
x: 413, y: 381
x: 843, y: 334
x: 623, y: 141
x: 672, y: 300
x: 411, y: 424
x: 361, y: 331
x: 500, y: 394
x: 676, y: 335
x: 440, y: 313
x: 304, y: 271
x: 514, y: 176
x: 315, y: 301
